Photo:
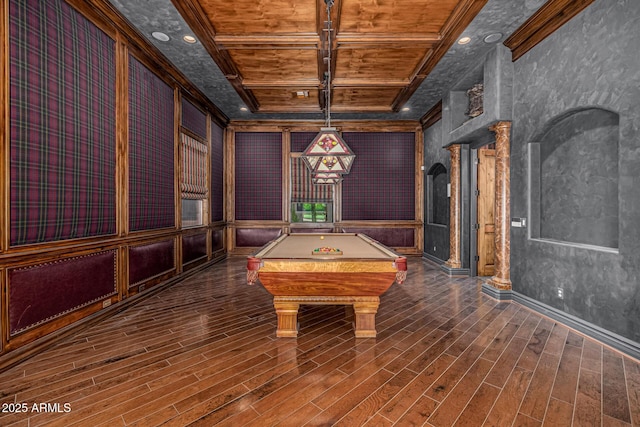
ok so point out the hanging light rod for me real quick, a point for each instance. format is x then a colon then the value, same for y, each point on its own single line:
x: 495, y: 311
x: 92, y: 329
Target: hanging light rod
x: 327, y: 74
x: 328, y: 157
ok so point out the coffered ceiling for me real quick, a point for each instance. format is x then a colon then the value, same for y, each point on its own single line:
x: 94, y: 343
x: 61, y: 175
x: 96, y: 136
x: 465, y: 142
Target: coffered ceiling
x: 276, y: 54
x: 390, y: 59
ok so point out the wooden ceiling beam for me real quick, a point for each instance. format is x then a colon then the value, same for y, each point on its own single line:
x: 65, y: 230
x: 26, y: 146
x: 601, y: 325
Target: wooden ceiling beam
x: 290, y: 108
x: 253, y: 41
x: 338, y: 108
x: 358, y: 83
x: 296, y: 84
x: 388, y: 38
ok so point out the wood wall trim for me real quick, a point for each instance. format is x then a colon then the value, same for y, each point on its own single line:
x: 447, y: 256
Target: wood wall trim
x: 432, y: 116
x: 229, y: 184
x: 122, y: 137
x: 5, y: 173
x: 286, y: 174
x: 26, y: 255
x: 315, y: 125
x: 207, y: 210
x: 380, y: 223
x: 551, y: 16
x: 177, y: 177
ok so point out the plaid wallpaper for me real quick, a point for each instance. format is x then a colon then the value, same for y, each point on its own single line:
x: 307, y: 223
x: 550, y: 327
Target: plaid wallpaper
x: 194, y: 119
x: 151, y: 151
x: 381, y: 184
x: 258, y: 176
x: 301, y: 140
x: 62, y: 124
x: 217, y: 173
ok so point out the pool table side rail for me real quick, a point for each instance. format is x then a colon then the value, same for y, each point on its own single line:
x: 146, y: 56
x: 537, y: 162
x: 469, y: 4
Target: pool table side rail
x: 296, y: 247
x: 259, y: 264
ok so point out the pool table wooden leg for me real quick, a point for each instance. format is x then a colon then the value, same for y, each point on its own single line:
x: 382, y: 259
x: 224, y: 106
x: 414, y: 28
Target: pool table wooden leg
x: 366, y: 318
x: 287, y: 318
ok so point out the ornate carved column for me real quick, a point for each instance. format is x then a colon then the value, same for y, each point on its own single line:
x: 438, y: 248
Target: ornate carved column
x: 501, y: 280
x: 454, y: 209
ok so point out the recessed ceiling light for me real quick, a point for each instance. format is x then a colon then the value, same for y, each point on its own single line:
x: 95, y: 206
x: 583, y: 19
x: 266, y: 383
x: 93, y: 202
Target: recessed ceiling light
x: 492, y: 38
x: 160, y: 36
x: 464, y: 40
x: 244, y: 109
x: 189, y: 39
x: 406, y: 108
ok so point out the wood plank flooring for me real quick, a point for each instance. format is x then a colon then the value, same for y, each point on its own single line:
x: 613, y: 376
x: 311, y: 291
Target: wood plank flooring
x: 204, y: 353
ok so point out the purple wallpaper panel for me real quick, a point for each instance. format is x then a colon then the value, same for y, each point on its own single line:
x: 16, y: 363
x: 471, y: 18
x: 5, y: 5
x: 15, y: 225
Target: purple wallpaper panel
x: 381, y: 185
x: 258, y: 176
x: 301, y: 140
x: 62, y: 124
x: 43, y: 292
x: 194, y: 119
x: 151, y: 165
x: 217, y: 173
x: 150, y: 260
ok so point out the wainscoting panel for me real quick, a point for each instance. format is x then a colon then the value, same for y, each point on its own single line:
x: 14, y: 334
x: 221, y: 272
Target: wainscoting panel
x: 42, y: 292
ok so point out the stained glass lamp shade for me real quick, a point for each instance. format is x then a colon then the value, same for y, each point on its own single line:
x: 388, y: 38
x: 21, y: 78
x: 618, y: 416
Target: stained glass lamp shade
x: 328, y: 154
x: 326, y: 178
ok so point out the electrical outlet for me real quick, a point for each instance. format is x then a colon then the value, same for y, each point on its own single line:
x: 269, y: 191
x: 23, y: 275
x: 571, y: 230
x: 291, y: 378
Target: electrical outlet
x: 106, y: 303
x: 141, y: 288
x: 560, y: 293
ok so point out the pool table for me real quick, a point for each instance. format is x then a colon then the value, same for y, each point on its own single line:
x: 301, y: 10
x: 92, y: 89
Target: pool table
x: 326, y: 269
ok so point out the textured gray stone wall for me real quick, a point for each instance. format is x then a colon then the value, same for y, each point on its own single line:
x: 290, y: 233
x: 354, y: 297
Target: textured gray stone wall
x: 436, y: 236
x: 592, y: 61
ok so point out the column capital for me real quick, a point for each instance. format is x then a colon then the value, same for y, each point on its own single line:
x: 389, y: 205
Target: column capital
x: 499, y: 127
x: 454, y: 150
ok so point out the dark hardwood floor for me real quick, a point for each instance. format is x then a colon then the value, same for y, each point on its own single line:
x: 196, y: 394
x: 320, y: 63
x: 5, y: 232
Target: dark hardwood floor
x: 204, y: 352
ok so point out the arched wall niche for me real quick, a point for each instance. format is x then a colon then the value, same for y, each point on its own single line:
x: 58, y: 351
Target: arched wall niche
x: 573, y: 174
x: 438, y: 201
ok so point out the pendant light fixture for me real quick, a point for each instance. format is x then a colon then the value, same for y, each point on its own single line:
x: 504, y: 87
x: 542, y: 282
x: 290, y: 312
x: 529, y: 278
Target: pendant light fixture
x: 328, y: 157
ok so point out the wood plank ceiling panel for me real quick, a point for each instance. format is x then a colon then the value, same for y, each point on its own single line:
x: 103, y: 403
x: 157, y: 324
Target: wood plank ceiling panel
x: 273, y: 50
